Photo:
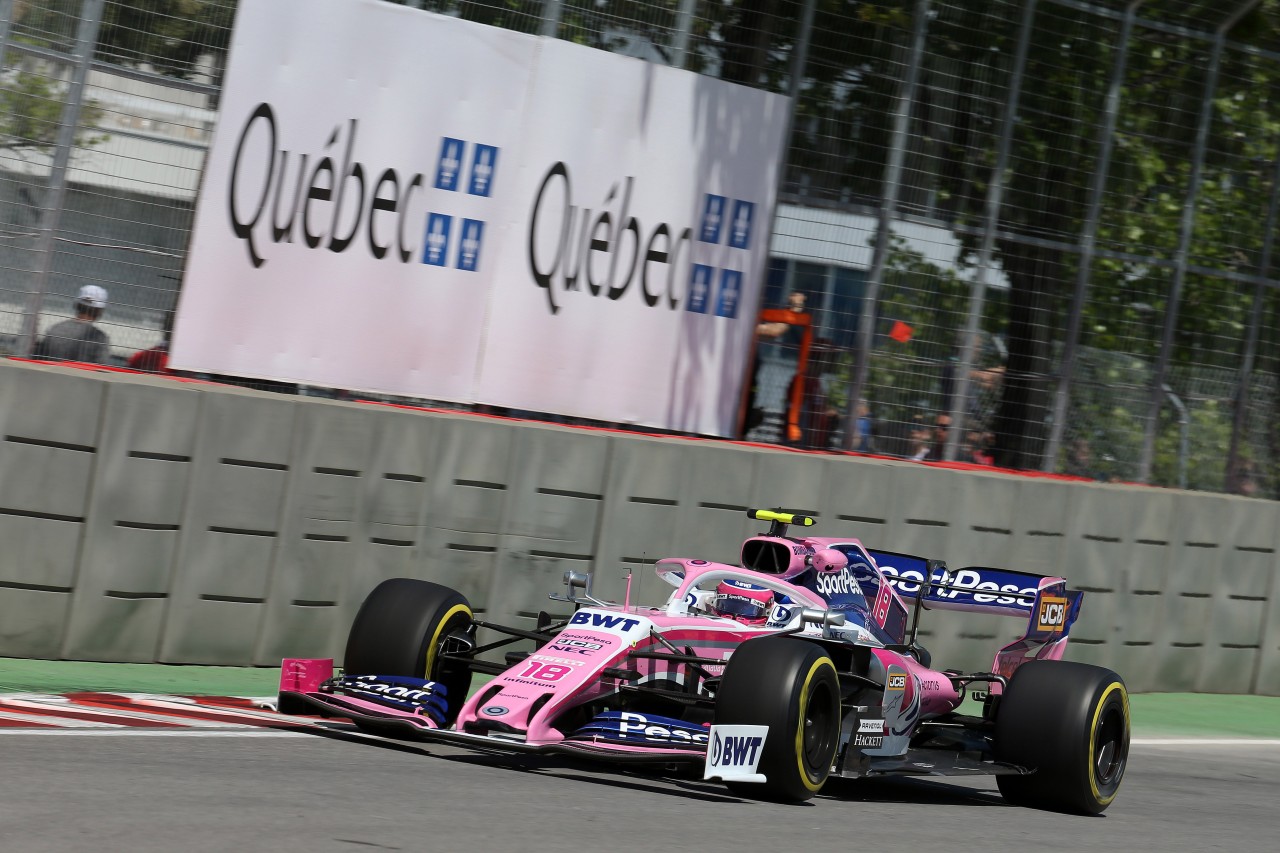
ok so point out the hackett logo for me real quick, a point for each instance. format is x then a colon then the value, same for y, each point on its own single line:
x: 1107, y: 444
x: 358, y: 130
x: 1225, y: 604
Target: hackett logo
x: 290, y: 204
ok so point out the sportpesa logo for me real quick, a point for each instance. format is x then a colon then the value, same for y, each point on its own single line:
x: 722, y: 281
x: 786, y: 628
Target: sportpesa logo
x: 837, y: 584
x: 289, y: 204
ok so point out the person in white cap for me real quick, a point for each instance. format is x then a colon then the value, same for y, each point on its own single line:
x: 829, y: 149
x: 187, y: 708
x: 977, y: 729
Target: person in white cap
x: 79, y: 339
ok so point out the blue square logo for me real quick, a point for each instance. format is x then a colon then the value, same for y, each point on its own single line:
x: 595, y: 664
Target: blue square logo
x: 730, y: 294
x: 744, y: 213
x: 484, y: 165
x: 436, y: 248
x: 471, y: 237
x: 713, y: 210
x: 450, y: 165
x: 700, y: 288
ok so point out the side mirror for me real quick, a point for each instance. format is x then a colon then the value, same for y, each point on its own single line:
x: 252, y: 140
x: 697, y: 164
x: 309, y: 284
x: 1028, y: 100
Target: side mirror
x: 574, y: 583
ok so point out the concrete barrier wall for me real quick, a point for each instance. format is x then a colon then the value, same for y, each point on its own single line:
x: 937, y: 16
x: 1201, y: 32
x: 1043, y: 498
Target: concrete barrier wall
x: 149, y: 520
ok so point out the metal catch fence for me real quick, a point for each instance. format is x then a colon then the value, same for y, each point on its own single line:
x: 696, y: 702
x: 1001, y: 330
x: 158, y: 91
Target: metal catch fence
x: 1031, y: 233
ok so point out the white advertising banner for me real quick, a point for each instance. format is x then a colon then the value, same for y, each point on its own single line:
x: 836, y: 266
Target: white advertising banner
x: 405, y: 203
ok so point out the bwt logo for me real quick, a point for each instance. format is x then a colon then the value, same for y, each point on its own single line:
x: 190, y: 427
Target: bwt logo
x: 735, y: 750
x: 290, y: 202
x: 1052, y: 615
x: 730, y: 220
x: 617, y: 624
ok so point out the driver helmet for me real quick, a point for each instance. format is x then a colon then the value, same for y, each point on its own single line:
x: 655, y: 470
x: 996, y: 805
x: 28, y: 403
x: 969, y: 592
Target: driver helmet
x: 746, y: 602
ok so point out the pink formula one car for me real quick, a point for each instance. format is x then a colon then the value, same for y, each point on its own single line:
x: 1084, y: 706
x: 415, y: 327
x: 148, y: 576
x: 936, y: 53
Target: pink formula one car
x: 772, y: 676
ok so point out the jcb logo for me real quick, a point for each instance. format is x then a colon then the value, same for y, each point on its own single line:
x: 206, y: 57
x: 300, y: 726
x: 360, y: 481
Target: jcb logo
x: 1052, y: 615
x: 897, y: 681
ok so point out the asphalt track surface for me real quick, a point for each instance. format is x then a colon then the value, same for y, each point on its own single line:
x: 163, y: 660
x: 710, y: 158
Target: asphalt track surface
x: 65, y: 791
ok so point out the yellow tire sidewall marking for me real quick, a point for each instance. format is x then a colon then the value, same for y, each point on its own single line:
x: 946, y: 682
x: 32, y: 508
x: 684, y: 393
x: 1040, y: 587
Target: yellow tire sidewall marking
x: 1093, y: 737
x: 804, y: 707
x: 434, y: 646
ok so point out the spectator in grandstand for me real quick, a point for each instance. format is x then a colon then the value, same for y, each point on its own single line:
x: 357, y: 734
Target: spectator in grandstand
x: 1080, y: 459
x: 975, y: 450
x: 78, y: 339
x: 941, y: 427
x: 785, y: 334
x: 1244, y: 479
x: 156, y: 359
x: 918, y: 450
x: 863, y: 441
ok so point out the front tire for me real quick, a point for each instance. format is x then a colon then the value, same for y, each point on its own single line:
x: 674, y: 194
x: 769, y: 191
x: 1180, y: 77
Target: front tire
x: 792, y: 687
x: 401, y: 629
x: 1070, y: 722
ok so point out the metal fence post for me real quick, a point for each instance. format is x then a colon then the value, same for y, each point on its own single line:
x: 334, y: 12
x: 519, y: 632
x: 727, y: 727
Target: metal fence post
x: 1241, y: 401
x: 995, y: 198
x: 6, y: 25
x: 684, y: 31
x: 56, y: 191
x: 1181, y: 259
x: 1089, y: 237
x: 888, y: 207
x: 552, y: 10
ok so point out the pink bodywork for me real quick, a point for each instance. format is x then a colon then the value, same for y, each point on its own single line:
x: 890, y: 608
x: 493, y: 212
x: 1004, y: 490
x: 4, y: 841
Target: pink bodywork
x: 563, y: 674
x: 574, y: 668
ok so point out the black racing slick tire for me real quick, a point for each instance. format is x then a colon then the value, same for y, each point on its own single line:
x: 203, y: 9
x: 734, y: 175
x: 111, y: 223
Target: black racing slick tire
x: 792, y: 687
x: 1069, y: 723
x: 401, y: 629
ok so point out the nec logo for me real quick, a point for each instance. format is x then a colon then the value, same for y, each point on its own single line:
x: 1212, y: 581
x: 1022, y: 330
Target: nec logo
x: 897, y: 681
x: 577, y: 647
x: 617, y: 624
x: 734, y: 750
x: 731, y: 219
x: 1052, y: 614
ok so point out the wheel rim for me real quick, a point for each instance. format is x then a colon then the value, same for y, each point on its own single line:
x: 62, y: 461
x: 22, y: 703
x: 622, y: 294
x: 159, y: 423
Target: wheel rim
x: 1110, y: 750
x: 818, y: 739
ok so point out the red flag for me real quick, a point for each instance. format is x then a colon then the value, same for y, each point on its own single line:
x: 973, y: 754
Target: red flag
x: 901, y: 332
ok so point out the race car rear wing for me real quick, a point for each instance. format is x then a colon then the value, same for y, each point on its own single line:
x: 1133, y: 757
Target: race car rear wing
x: 974, y: 589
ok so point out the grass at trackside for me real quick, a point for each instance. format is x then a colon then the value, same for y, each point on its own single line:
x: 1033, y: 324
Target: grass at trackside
x: 1154, y: 714
x: 1205, y: 715
x: 19, y: 675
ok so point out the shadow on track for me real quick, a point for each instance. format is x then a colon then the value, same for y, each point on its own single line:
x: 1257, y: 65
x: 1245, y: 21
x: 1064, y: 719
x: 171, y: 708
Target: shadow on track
x: 913, y: 790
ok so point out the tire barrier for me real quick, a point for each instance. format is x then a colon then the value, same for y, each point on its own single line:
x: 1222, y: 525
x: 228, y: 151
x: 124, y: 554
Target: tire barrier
x: 151, y: 520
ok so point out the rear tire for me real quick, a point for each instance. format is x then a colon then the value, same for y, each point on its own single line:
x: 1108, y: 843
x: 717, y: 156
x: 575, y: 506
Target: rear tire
x: 401, y: 629
x: 792, y: 687
x: 1070, y: 722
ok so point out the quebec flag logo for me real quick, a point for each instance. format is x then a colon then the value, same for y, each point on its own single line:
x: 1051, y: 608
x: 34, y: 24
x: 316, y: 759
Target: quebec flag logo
x: 436, y: 249
x: 700, y: 288
x: 472, y: 235
x: 730, y: 294
x: 740, y: 225
x: 484, y: 162
x: 450, y: 165
x: 713, y: 210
